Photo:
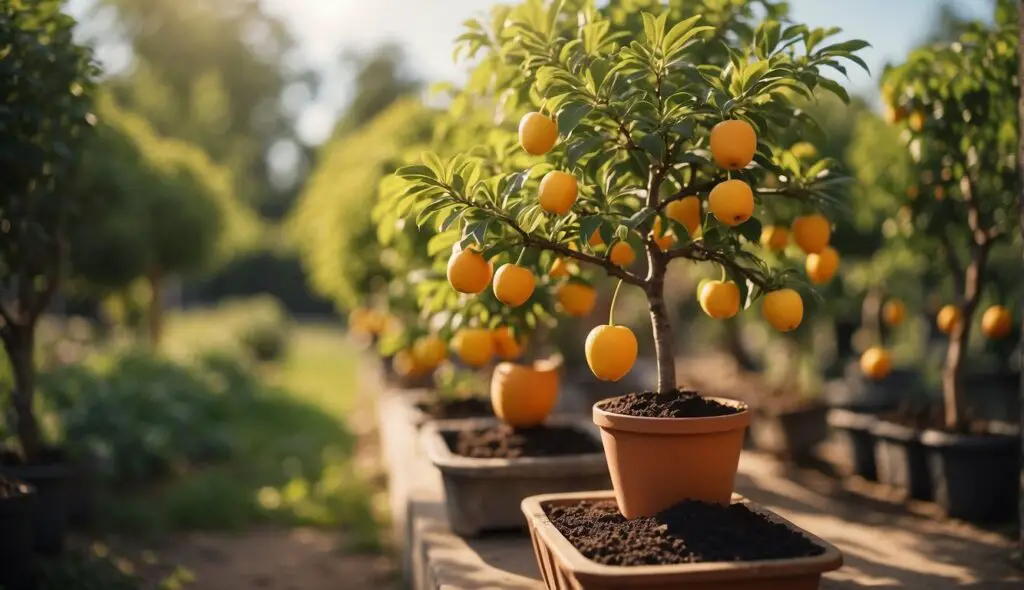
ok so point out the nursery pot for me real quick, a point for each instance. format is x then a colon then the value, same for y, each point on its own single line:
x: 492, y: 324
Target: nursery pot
x: 792, y: 434
x: 852, y: 431
x: 974, y: 477
x: 657, y: 462
x: 82, y: 489
x: 16, y: 512
x: 51, y: 482
x: 901, y: 459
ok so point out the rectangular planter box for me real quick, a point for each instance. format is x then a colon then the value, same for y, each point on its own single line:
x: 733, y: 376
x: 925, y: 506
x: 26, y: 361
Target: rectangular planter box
x: 789, y: 434
x: 485, y: 494
x: 852, y: 432
x: 565, y: 568
x: 901, y: 459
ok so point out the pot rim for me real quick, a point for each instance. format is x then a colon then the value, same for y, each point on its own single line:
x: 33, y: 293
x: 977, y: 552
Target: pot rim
x: 586, y: 570
x: 975, y: 442
x: 895, y: 431
x: 695, y: 425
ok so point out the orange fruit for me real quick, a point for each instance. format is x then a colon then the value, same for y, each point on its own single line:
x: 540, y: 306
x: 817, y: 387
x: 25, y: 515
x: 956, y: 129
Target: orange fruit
x: 537, y: 134
x: 664, y: 240
x: 731, y: 202
x: 804, y: 150
x: 405, y: 365
x: 429, y: 351
x: 513, y: 284
x: 947, y: 318
x: 996, y: 322
x: 524, y: 395
x: 774, y: 237
x: 916, y: 120
x: 505, y: 344
x: 784, y: 309
x: 560, y: 268
x: 733, y: 144
x: 822, y: 267
x: 893, y: 312
x: 596, y: 241
x: 558, y: 191
x: 876, y: 363
x: 611, y: 351
x: 577, y: 299
x: 812, y: 232
x: 720, y: 299
x: 473, y: 346
x: 468, y: 272
x: 622, y: 254
x: 358, y: 321
x: 687, y: 212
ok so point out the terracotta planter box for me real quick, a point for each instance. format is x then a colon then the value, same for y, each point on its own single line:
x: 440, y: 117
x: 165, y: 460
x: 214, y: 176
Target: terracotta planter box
x: 789, y: 434
x: 565, y: 568
x: 485, y: 494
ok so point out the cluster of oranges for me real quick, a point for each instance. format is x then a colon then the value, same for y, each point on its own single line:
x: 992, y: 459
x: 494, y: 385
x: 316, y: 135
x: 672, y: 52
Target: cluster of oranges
x: 475, y: 347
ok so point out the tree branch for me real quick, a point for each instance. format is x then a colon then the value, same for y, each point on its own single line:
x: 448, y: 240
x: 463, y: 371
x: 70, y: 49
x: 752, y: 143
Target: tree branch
x: 612, y: 269
x: 953, y: 263
x: 696, y: 251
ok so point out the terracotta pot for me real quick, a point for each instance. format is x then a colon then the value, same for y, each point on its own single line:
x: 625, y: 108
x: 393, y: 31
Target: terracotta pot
x: 657, y: 462
x: 525, y: 395
x: 563, y: 567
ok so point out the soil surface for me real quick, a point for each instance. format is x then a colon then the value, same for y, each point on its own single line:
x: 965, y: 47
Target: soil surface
x: 457, y: 408
x: 10, y: 488
x: 689, y: 532
x: 930, y: 417
x: 678, y: 404
x: 505, y: 442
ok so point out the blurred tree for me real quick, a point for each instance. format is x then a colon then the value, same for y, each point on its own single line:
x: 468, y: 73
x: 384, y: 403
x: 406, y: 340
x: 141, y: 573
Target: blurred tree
x: 379, y: 80
x: 44, y: 117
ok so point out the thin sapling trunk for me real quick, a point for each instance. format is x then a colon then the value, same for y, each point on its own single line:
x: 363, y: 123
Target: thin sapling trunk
x: 952, y: 381
x: 660, y: 325
x: 19, y: 342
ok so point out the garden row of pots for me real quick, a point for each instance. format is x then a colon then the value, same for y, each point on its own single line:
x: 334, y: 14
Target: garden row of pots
x: 641, y: 493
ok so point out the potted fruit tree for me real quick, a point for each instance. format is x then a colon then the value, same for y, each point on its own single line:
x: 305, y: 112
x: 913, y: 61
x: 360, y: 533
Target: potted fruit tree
x: 631, y: 112
x: 48, y: 80
x: 961, y: 104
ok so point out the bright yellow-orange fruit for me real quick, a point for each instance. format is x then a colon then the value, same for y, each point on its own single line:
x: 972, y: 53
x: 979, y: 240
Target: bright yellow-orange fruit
x: 731, y: 202
x: 468, y: 272
x: 513, y: 284
x: 822, y: 267
x: 596, y: 241
x: 916, y: 120
x: 687, y: 212
x: 812, y: 232
x: 664, y: 240
x: 947, y: 318
x: 537, y: 134
x: 733, y: 144
x: 784, y: 309
x: 405, y: 365
x: 774, y: 237
x: 429, y: 351
x: 505, y: 344
x: 558, y: 191
x: 474, y: 346
x: 893, y: 312
x: 876, y: 363
x: 720, y: 299
x: 524, y: 395
x: 611, y: 352
x: 622, y: 254
x: 577, y: 299
x: 559, y: 268
x: 996, y: 322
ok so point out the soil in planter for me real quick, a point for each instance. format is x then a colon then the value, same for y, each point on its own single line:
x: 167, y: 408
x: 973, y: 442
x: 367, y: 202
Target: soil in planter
x: 688, y: 532
x: 678, y: 404
x: 930, y: 417
x: 457, y: 408
x: 504, y: 442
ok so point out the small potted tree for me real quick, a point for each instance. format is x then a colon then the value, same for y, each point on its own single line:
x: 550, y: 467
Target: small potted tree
x: 47, y: 83
x: 961, y: 104
x: 651, y: 108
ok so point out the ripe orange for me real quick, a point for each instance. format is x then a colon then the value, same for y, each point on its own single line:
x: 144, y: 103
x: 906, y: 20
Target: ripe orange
x: 948, y: 318
x: 577, y: 299
x: 524, y: 395
x: 687, y: 212
x: 429, y: 351
x: 558, y: 191
x: 611, y: 351
x: 468, y: 272
x: 916, y: 120
x: 996, y: 322
x: 513, y: 284
x: 560, y: 268
x: 596, y: 241
x: 822, y: 267
x: 812, y: 233
x: 732, y: 202
x: 784, y: 309
x: 622, y: 254
x: 537, y: 134
x: 405, y: 365
x: 664, y: 240
x: 720, y: 299
x: 774, y: 237
x: 733, y: 144
x: 893, y: 312
x: 876, y: 363
x: 505, y: 344
x: 473, y: 346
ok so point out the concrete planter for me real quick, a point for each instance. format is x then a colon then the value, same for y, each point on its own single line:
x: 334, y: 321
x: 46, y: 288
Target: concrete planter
x: 485, y: 494
x: 563, y: 567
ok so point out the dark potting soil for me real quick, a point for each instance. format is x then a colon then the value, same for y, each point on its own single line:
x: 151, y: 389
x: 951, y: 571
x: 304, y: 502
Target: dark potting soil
x: 930, y: 417
x: 457, y: 408
x: 689, y: 532
x: 678, y: 404
x: 9, y: 488
x: 504, y: 442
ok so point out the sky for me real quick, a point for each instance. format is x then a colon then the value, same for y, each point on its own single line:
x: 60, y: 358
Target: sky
x: 426, y: 28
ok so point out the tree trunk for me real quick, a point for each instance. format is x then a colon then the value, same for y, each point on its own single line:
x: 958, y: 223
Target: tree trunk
x: 871, y: 314
x: 952, y: 386
x: 20, y: 346
x: 1020, y: 169
x: 156, y: 307
x: 663, y: 341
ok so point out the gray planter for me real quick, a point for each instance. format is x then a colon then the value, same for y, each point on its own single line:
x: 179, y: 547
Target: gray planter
x: 901, y: 459
x: 852, y: 432
x: 485, y: 494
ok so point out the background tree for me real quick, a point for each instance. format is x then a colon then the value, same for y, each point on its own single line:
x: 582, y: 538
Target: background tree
x: 48, y: 81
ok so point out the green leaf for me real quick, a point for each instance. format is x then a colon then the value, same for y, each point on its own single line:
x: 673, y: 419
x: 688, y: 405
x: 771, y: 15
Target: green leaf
x: 651, y: 29
x: 578, y: 149
x: 588, y: 225
x: 515, y: 184
x: 571, y: 115
x: 434, y: 163
x: 835, y: 88
x: 429, y: 210
x: 677, y: 35
x: 453, y: 216
x: 415, y: 171
x: 750, y: 229
x: 653, y: 144
x: 441, y: 242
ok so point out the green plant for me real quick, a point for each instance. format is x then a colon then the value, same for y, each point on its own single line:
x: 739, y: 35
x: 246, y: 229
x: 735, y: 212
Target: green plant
x: 86, y: 572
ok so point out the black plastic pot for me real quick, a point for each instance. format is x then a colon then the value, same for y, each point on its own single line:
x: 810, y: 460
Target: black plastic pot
x: 50, y: 517
x: 901, y: 459
x: 792, y: 434
x: 16, y: 514
x: 975, y: 477
x: 852, y: 431
x: 857, y: 393
x: 82, y: 490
